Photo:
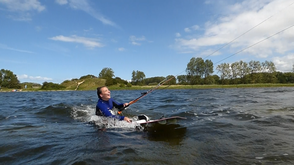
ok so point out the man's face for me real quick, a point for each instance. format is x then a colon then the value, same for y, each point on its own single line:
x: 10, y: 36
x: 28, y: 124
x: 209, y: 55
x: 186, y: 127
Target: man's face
x: 105, y: 94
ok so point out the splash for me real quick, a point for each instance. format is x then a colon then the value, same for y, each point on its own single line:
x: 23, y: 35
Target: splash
x: 82, y: 113
x: 106, y: 122
x: 86, y: 113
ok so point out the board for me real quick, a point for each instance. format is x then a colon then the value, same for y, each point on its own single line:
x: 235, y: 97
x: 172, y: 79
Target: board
x: 167, y: 120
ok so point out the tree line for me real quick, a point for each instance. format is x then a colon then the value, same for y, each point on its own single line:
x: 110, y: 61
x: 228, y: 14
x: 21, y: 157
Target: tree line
x: 240, y: 72
x: 138, y: 78
x: 198, y: 72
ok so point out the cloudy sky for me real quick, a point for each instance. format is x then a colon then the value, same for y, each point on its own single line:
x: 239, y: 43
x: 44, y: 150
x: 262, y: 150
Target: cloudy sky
x: 57, y: 40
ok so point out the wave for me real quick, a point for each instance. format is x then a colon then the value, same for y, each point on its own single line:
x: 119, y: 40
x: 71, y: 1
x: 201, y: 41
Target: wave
x: 278, y: 90
x: 57, y: 109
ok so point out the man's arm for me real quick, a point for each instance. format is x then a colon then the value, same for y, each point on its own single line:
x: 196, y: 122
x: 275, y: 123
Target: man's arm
x: 117, y: 104
x: 105, y: 111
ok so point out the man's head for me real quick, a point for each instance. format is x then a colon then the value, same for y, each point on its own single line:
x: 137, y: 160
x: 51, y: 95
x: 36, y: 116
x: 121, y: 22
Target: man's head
x: 103, y: 93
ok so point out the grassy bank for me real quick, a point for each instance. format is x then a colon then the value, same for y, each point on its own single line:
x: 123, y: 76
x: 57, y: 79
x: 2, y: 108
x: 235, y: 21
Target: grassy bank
x: 231, y: 86
x: 202, y: 86
x: 85, y: 86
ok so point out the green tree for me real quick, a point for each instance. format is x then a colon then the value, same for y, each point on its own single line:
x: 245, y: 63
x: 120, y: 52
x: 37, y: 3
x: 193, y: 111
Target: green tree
x: 244, y: 71
x: 138, y: 77
x: 196, y: 70
x: 196, y: 67
x: 281, y: 77
x: 109, y: 81
x: 289, y: 77
x: 225, y: 72
x: 239, y: 71
x: 106, y: 73
x: 120, y: 81
x: 51, y: 86
x: 209, y: 80
x: 182, y: 79
x: 194, y: 80
x: 254, y: 69
x: 216, y: 79
x: 208, y: 70
x: 153, y: 80
x: 129, y: 85
x: 254, y: 66
x: 87, y: 76
x: 269, y: 72
x: 269, y: 66
x: 1, y: 77
x: 172, y: 81
x: 8, y: 79
x: 133, y: 75
x: 235, y: 72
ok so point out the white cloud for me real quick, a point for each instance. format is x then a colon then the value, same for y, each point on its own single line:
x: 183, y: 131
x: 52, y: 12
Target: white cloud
x: 135, y: 40
x: 121, y: 49
x: 61, y: 2
x: 208, y: 2
x: 88, y: 42
x: 135, y: 43
x: 187, y: 30
x: 178, y: 35
x: 2, y: 46
x: 25, y: 77
x: 192, y: 28
x: 284, y: 63
x: 264, y: 18
x: 86, y: 7
x: 23, y: 5
x: 22, y: 9
x: 195, y: 27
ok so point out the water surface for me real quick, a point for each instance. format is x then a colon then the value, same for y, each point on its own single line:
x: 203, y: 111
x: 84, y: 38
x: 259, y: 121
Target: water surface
x: 223, y: 126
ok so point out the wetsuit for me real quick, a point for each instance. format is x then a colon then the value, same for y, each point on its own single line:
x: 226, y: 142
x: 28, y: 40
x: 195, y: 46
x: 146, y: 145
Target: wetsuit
x: 104, y: 108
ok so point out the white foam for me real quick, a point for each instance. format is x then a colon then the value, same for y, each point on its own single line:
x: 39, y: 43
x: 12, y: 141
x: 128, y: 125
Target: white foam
x: 86, y: 113
x: 106, y: 122
x: 83, y: 113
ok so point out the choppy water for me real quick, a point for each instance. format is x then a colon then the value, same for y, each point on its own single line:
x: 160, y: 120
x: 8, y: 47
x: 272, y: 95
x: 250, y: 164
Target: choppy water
x: 223, y: 126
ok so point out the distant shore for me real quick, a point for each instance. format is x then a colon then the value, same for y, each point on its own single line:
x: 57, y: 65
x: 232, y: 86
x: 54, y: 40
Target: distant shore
x: 204, y: 86
x: 166, y: 87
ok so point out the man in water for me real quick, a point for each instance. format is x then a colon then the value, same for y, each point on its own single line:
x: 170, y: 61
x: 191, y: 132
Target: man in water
x: 106, y: 104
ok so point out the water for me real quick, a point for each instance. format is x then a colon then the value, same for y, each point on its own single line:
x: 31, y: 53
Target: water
x: 223, y: 126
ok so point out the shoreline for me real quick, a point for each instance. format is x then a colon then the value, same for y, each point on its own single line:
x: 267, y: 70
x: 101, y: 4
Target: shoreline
x: 204, y: 86
x: 166, y: 87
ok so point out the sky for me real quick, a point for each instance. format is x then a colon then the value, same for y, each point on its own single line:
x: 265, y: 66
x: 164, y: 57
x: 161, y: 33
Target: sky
x: 57, y: 40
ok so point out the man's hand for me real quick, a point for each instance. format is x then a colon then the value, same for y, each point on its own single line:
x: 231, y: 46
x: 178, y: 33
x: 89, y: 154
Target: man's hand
x: 127, y: 120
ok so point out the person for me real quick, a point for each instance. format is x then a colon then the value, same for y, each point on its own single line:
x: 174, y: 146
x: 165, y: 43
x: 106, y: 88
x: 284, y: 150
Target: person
x: 106, y: 104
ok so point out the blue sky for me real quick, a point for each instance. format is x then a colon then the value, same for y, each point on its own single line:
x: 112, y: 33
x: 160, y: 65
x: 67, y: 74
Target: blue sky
x: 57, y: 40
